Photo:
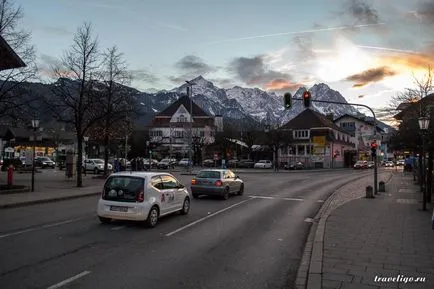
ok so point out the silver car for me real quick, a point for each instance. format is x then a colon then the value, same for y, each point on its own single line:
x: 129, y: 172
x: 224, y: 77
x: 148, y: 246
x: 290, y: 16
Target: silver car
x: 216, y: 183
x: 142, y: 196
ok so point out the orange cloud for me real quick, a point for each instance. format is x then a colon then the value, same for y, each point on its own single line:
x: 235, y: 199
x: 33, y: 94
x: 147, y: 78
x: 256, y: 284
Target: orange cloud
x: 412, y: 61
x: 281, y: 84
x: 371, y: 75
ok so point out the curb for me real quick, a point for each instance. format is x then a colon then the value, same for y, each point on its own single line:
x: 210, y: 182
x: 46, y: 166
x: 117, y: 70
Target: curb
x: 15, y: 191
x: 48, y: 200
x: 309, y: 274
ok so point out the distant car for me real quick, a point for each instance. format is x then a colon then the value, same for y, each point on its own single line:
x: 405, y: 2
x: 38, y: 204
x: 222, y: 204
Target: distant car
x: 209, y: 163
x: 233, y: 163
x: 389, y: 164
x: 400, y: 163
x: 95, y: 165
x: 44, y: 162
x: 295, y: 166
x: 142, y: 196
x: 361, y: 165
x: 263, y: 164
x: 216, y: 182
x: 371, y: 164
x: 246, y: 163
x: 184, y: 162
x: 166, y: 163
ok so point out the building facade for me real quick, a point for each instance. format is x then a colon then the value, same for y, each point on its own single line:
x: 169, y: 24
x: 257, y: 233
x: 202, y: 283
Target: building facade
x: 317, y: 142
x: 173, y: 129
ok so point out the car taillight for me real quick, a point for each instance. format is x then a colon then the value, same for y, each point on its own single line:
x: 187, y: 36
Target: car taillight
x: 140, y: 196
x: 218, y: 183
x: 193, y: 182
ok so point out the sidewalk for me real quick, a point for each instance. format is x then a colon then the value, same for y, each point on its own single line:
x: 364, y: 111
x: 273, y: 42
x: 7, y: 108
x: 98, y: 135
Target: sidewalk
x: 51, y: 191
x: 367, y: 239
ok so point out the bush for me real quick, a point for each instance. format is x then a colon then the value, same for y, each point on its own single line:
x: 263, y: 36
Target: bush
x: 15, y: 162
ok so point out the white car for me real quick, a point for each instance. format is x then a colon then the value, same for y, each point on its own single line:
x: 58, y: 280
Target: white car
x: 263, y: 164
x: 184, y: 162
x: 142, y: 196
x: 95, y: 165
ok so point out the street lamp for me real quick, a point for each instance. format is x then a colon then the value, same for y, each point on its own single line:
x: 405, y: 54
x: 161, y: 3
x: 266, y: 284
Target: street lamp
x: 86, y: 139
x: 35, y: 125
x: 423, y: 125
x: 190, y: 95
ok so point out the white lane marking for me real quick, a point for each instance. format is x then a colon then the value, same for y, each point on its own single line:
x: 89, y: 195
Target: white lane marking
x: 276, y: 198
x: 117, y: 228
x: 206, y: 217
x: 40, y: 228
x: 320, y: 201
x: 69, y: 280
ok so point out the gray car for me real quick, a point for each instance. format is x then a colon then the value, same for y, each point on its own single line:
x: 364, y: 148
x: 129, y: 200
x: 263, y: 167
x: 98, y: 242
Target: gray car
x: 216, y: 183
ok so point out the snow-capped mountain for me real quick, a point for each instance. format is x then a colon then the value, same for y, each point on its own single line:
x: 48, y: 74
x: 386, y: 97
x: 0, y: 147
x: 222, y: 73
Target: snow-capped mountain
x: 249, y: 103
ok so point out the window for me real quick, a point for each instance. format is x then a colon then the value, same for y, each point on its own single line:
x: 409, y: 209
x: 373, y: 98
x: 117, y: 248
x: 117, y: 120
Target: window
x: 201, y: 133
x: 182, y: 118
x: 123, y: 189
x: 169, y: 182
x: 209, y: 174
x: 156, y: 133
x: 301, y: 134
x: 157, y: 183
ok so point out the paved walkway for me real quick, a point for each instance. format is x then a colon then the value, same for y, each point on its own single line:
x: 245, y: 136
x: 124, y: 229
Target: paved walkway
x: 376, y: 243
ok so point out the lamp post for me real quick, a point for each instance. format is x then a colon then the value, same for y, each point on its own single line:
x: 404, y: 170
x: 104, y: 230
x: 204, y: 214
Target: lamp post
x: 423, y: 125
x: 35, y: 125
x: 86, y: 139
x: 190, y: 95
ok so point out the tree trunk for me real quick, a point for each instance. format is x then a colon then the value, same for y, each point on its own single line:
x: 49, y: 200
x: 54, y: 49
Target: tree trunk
x: 429, y: 177
x: 79, y: 165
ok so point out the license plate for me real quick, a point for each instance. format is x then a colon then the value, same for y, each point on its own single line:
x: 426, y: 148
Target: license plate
x: 118, y: 209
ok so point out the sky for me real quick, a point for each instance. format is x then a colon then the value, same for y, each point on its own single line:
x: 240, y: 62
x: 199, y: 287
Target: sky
x: 367, y: 50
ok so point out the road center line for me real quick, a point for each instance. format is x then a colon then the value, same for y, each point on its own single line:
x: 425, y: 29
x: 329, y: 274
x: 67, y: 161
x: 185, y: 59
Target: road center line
x: 69, y: 280
x: 39, y: 228
x: 206, y: 217
x: 277, y: 198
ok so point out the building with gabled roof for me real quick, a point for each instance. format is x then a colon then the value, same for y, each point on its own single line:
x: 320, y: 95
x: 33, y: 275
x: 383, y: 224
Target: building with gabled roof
x: 170, y: 129
x: 317, y: 142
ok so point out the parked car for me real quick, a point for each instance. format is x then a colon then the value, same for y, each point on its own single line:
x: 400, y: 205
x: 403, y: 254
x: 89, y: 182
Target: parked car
x: 361, y: 165
x: 95, y: 165
x: 371, y: 165
x: 209, y: 163
x: 216, y: 182
x: 263, y: 164
x: 154, y: 163
x: 389, y: 164
x: 142, y: 196
x: 294, y: 166
x: 44, y: 162
x: 184, y: 162
x: 166, y: 163
x: 233, y: 163
x: 246, y: 163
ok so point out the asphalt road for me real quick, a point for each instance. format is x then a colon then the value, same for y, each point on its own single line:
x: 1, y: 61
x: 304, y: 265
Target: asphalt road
x: 250, y: 241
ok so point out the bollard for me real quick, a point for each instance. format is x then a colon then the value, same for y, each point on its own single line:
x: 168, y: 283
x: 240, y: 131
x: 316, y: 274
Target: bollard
x: 370, y: 192
x: 10, y: 175
x: 381, y: 186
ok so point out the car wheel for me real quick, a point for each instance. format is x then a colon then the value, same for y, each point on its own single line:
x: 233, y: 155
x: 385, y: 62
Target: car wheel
x: 104, y: 220
x: 186, y: 207
x: 152, y: 219
x: 96, y: 171
x: 226, y: 193
x: 241, y: 191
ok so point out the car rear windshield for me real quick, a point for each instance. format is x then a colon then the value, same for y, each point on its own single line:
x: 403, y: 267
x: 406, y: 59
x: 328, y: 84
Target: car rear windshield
x: 123, y: 188
x: 209, y: 174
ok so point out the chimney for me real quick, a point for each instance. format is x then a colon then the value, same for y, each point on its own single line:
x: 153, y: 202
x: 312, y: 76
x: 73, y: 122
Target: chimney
x: 218, y: 122
x: 330, y: 116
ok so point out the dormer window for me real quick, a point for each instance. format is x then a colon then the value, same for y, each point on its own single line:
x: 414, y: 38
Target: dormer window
x: 182, y: 118
x: 301, y: 134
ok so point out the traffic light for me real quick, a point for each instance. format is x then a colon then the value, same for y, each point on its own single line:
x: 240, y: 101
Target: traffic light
x: 288, y: 100
x: 374, y: 149
x: 306, y: 99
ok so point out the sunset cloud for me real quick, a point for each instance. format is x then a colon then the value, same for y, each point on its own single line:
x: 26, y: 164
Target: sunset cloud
x: 282, y: 85
x: 371, y: 75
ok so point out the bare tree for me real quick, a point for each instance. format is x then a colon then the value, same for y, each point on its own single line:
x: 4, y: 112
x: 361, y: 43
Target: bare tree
x: 74, y: 97
x: 116, y: 103
x: 19, y: 40
x: 422, y: 87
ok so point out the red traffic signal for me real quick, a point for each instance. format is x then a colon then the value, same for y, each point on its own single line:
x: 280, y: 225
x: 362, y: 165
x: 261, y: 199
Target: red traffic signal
x: 306, y: 99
